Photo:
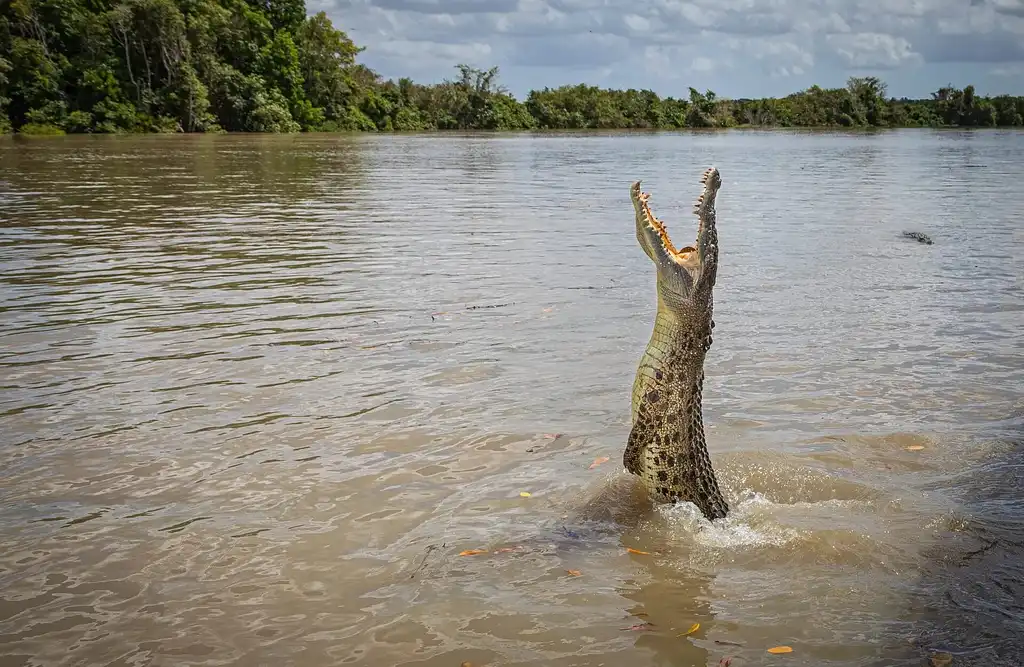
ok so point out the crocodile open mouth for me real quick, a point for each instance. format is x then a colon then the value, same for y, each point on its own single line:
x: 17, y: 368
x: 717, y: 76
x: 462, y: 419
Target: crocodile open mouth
x: 683, y: 255
x: 704, y: 206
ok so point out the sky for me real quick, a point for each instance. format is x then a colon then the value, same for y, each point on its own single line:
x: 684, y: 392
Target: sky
x: 737, y: 48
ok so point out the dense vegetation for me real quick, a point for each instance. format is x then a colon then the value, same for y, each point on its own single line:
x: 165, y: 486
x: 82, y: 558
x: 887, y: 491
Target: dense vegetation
x: 265, y: 66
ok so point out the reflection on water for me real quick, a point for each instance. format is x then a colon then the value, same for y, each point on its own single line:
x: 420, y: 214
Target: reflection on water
x: 258, y: 393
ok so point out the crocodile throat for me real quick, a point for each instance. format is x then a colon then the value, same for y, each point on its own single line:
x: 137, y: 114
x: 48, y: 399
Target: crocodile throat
x: 666, y: 446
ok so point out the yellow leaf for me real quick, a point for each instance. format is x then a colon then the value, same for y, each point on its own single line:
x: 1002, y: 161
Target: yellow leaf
x: 637, y: 551
x: 914, y: 448
x: 598, y: 461
x: 524, y: 494
x: 472, y: 552
x: 693, y: 629
x: 780, y: 649
x: 574, y: 573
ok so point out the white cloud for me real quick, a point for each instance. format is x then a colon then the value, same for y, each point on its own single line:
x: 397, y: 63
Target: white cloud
x: 1016, y: 71
x: 471, y: 52
x: 637, y: 23
x: 873, y: 50
x: 702, y: 64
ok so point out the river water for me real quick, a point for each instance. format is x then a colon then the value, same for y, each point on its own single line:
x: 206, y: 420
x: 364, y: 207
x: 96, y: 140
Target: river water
x: 258, y: 393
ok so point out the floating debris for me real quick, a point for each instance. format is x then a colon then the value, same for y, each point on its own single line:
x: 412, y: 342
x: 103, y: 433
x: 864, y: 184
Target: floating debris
x: 495, y: 305
x: 693, y: 629
x: 598, y: 461
x: 505, y: 550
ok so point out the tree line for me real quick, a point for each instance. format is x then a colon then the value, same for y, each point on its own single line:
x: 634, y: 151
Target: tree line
x: 109, y: 66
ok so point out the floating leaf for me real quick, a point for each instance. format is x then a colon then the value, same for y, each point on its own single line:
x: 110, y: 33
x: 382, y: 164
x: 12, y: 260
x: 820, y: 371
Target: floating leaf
x: 548, y: 310
x: 914, y: 448
x: 574, y: 573
x: 637, y: 551
x: 524, y: 494
x: 940, y: 660
x: 725, y: 662
x: 472, y: 552
x: 693, y: 629
x: 598, y: 461
x: 781, y: 649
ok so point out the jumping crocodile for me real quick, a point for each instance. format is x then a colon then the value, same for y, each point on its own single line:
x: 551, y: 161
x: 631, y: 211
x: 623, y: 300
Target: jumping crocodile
x: 666, y: 447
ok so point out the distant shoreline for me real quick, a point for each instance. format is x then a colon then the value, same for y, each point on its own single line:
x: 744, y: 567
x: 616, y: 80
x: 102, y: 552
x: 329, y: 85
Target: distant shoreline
x: 822, y: 129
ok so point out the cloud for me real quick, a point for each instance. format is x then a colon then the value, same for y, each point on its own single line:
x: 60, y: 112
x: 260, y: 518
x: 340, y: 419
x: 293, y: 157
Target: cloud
x: 446, y: 53
x: 873, y: 50
x: 1016, y: 71
x: 735, y: 47
x: 776, y: 56
x: 702, y: 64
x: 585, y: 51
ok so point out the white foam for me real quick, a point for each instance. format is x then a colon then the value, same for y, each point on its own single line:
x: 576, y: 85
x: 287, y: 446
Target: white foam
x: 749, y: 524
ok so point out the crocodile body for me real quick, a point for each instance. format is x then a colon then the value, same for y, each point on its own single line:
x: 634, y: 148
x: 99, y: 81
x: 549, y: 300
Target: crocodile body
x: 666, y: 448
x: 919, y: 237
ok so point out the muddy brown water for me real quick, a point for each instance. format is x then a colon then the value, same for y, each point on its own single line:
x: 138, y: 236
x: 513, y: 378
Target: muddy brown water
x: 258, y: 393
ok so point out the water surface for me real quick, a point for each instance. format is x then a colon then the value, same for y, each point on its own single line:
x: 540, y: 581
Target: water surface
x: 258, y: 393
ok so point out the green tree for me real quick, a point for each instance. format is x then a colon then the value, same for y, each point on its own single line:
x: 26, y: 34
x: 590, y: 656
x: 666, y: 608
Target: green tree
x: 869, y: 96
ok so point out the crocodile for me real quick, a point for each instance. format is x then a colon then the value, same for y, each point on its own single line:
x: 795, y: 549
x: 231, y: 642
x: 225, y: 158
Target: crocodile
x: 920, y: 237
x: 666, y: 448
